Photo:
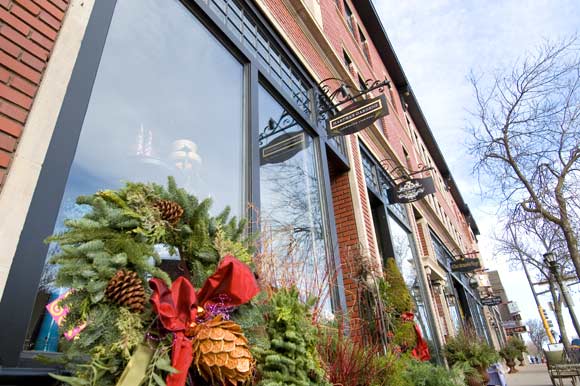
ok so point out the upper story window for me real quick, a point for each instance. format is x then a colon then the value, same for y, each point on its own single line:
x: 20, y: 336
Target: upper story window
x: 349, y: 17
x: 347, y: 60
x: 361, y: 83
x: 365, y: 44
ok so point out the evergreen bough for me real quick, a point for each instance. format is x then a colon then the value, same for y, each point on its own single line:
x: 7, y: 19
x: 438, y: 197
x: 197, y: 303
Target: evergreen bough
x: 292, y: 358
x: 398, y: 300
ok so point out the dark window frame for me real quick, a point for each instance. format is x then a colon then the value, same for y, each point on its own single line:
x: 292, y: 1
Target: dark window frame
x: 26, y: 270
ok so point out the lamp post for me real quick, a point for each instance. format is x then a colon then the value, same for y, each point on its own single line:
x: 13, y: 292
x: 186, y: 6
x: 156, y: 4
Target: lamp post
x: 550, y: 261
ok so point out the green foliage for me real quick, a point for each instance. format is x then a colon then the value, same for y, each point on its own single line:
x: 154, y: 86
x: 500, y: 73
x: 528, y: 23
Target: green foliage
x: 160, y: 364
x: 427, y: 374
x: 393, y: 370
x: 291, y: 358
x: 397, y: 300
x: 469, y: 350
x: 121, y: 231
x: 394, y: 291
x: 513, y: 349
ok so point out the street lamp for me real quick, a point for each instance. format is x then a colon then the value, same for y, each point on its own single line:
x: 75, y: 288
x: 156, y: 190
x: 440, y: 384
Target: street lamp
x: 473, y: 283
x: 550, y: 260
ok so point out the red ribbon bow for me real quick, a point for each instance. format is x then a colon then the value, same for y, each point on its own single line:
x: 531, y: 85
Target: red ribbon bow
x: 177, y: 307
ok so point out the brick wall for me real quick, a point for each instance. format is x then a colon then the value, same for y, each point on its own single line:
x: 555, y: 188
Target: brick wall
x: 28, y: 30
x: 441, y: 313
x: 348, y: 242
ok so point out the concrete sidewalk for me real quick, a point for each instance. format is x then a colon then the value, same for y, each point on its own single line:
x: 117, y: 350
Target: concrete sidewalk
x: 531, y: 375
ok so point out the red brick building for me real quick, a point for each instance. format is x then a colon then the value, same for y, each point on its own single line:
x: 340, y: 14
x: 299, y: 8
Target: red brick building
x: 94, y: 93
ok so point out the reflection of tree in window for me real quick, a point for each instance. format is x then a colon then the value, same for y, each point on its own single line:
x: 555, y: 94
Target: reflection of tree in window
x: 404, y: 257
x: 291, y: 212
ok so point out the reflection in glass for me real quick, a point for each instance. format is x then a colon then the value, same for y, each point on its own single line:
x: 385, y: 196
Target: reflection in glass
x: 452, y: 304
x: 405, y: 259
x: 156, y: 110
x: 291, y: 214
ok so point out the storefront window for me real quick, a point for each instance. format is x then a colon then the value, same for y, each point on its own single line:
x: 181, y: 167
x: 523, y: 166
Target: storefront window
x: 167, y: 101
x: 291, y: 210
x: 406, y: 262
x: 452, y: 300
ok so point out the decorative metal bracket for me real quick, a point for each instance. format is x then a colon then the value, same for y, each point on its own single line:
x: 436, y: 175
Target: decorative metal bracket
x: 344, y: 93
x: 399, y: 172
x: 466, y: 254
x: 285, y: 122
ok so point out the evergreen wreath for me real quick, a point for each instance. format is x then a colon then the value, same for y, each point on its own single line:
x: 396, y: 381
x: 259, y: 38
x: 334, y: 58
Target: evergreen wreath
x: 107, y: 258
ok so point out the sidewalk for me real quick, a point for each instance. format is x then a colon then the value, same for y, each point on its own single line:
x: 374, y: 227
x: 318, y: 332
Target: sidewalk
x: 531, y: 375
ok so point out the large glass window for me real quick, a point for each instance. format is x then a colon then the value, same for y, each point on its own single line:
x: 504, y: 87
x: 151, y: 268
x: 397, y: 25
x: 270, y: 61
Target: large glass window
x: 291, y: 210
x: 405, y: 258
x: 167, y: 101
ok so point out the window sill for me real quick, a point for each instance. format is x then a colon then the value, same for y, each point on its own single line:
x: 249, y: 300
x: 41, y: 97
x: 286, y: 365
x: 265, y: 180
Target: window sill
x: 28, y: 376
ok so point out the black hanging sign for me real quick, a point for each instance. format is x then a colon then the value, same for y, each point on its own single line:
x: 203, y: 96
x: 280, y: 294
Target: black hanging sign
x: 465, y: 265
x: 358, y: 116
x: 282, y: 148
x: 491, y: 301
x: 411, y: 190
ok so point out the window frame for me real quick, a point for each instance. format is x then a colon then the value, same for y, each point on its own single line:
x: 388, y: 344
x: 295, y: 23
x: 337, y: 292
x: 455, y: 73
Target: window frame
x: 26, y: 270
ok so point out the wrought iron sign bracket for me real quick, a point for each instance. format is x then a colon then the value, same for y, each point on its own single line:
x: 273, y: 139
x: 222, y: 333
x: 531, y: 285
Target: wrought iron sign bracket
x: 402, y: 172
x: 466, y: 254
x: 345, y: 93
x: 284, y: 123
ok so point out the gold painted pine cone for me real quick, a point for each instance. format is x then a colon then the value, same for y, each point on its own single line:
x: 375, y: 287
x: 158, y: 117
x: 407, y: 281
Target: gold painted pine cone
x: 221, y: 352
x: 126, y: 289
x: 170, y: 211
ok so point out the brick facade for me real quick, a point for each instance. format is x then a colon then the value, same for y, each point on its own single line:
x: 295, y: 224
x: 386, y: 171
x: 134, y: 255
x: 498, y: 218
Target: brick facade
x: 28, y: 31
x: 329, y: 47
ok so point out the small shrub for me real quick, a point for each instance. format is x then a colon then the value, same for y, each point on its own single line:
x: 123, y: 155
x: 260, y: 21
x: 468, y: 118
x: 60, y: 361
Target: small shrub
x: 426, y: 374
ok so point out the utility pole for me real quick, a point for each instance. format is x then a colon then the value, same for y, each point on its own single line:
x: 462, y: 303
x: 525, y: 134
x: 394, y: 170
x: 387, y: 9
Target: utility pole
x: 540, y: 309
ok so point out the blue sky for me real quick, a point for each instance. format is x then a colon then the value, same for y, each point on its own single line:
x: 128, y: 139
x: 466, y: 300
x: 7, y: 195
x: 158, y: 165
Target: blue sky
x: 438, y: 43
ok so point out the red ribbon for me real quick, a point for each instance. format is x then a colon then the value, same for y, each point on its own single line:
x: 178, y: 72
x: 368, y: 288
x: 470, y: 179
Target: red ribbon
x: 421, y: 350
x: 177, y: 307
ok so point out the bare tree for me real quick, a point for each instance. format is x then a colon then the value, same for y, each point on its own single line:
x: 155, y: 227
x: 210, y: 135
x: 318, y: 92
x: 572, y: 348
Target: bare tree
x: 526, y: 136
x: 537, y: 333
x: 524, y: 239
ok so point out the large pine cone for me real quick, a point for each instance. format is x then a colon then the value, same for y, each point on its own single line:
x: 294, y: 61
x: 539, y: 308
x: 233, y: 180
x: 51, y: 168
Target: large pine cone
x: 221, y: 352
x: 126, y: 289
x: 170, y: 210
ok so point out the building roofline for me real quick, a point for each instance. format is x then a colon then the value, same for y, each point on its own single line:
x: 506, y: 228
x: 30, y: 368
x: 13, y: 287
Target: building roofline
x: 378, y: 35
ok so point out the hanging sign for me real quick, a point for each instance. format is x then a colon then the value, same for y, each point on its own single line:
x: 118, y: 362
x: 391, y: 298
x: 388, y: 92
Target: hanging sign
x: 411, y: 190
x: 509, y: 324
x: 491, y: 301
x: 465, y: 265
x: 516, y: 330
x: 282, y: 148
x: 358, y: 116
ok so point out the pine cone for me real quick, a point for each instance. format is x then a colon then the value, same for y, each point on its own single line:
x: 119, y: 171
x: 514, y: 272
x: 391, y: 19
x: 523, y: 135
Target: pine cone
x: 170, y: 210
x: 126, y: 289
x: 221, y: 352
